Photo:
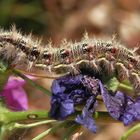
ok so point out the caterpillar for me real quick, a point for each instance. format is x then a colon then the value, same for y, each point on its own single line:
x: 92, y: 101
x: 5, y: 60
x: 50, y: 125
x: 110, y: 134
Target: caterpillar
x: 24, y: 51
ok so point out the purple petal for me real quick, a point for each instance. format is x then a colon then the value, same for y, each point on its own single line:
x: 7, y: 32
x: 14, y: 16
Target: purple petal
x: 60, y: 110
x: 86, y: 118
x: 57, y: 88
x: 132, y: 112
x: 14, y: 82
x: 120, y: 106
x: 16, y: 99
x: 114, y: 104
x: 15, y: 96
x: 67, y: 108
x: 69, y: 91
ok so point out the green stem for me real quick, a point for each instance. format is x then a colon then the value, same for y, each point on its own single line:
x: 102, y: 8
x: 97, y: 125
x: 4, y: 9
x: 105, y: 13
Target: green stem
x: 8, y: 116
x: 130, y: 132
x: 17, y: 125
x: 50, y: 130
x: 104, y: 117
x: 70, y: 131
x: 125, y: 87
x: 31, y: 82
x: 10, y: 127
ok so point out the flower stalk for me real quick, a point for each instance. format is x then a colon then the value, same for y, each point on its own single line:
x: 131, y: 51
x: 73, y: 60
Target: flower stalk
x: 130, y: 131
x: 9, y: 116
x: 31, y: 82
x: 4, y: 74
x: 10, y: 127
x: 50, y: 130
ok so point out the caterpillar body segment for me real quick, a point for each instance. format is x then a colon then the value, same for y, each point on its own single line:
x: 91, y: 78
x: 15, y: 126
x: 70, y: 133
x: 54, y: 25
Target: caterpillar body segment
x: 22, y: 51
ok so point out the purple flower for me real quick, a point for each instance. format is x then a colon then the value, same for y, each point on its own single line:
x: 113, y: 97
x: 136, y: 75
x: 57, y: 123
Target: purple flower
x: 14, y: 95
x: 70, y: 91
x: 86, y: 118
x: 121, y: 106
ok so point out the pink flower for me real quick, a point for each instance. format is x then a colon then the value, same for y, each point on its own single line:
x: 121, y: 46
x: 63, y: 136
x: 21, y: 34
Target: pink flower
x: 14, y: 95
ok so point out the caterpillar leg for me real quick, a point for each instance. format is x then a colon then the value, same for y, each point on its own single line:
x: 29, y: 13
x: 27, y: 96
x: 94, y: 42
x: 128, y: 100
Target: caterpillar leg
x: 65, y: 68
x: 135, y: 81
x: 95, y: 66
x: 89, y: 64
x: 125, y: 74
x: 107, y: 65
x: 137, y: 50
x: 73, y: 69
x: 122, y: 71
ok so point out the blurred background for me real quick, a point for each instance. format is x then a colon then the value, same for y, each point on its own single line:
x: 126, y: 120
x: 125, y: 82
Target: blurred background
x: 59, y: 19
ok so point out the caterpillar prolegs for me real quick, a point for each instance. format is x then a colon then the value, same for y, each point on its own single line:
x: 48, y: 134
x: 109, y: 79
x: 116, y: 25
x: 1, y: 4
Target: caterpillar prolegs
x: 22, y: 51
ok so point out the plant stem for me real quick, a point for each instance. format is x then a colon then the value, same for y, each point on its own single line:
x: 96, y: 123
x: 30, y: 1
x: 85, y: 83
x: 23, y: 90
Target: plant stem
x: 70, y: 131
x: 126, y: 88
x: 7, y: 116
x: 104, y: 117
x: 20, y: 126
x: 50, y: 130
x: 31, y: 82
x: 10, y: 127
x: 21, y: 116
x: 130, y: 132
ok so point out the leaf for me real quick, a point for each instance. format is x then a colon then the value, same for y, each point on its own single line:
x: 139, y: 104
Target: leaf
x: 112, y: 84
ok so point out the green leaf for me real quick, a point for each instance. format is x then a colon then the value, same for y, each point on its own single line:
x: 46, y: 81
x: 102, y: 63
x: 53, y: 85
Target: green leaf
x: 112, y: 84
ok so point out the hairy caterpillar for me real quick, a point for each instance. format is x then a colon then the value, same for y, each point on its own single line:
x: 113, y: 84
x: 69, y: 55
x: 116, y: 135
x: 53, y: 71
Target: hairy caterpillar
x: 22, y: 51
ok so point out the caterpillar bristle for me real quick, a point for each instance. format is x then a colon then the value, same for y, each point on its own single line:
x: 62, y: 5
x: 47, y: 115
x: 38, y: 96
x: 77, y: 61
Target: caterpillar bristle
x: 135, y: 80
x: 123, y: 72
x: 100, y: 54
x: 105, y: 64
x: 95, y: 66
x: 137, y: 50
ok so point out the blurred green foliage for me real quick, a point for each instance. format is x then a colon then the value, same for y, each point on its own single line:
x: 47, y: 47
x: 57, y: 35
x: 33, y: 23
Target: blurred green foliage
x: 26, y: 14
